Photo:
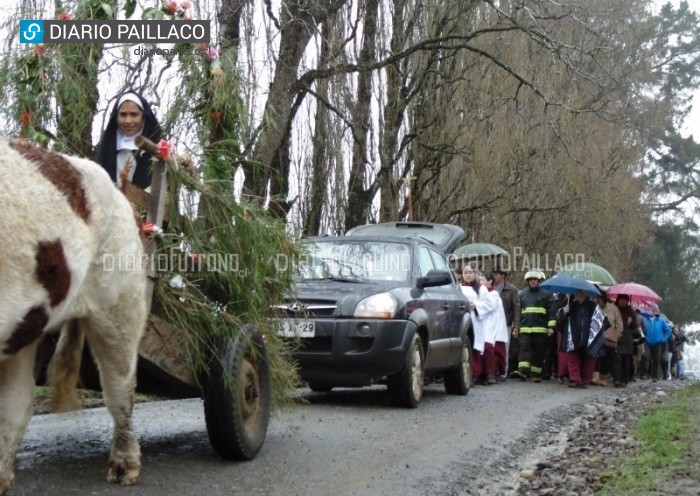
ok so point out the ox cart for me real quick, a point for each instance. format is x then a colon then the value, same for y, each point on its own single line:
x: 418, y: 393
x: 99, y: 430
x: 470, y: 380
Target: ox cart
x: 236, y: 387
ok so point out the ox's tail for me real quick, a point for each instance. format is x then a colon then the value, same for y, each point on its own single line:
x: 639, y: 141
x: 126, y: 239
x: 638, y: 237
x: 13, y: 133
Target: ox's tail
x: 64, y: 369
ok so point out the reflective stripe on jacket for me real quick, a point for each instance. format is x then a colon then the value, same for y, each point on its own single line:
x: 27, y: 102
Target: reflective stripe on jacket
x: 537, y: 311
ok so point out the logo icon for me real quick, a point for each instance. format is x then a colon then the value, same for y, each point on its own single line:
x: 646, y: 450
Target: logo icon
x: 31, y: 31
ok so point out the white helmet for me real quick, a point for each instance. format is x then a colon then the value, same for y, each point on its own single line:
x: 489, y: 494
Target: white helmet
x: 535, y: 274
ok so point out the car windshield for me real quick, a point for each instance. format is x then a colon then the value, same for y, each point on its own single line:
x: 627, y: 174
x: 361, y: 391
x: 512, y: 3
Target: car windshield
x: 356, y: 261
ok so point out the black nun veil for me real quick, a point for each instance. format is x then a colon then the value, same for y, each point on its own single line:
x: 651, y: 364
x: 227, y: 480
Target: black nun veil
x: 107, y: 148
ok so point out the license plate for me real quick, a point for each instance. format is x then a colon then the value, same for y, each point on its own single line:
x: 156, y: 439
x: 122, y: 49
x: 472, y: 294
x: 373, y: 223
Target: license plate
x: 296, y: 328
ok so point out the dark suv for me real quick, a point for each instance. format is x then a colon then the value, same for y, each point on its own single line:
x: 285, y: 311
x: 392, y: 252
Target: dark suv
x: 381, y: 303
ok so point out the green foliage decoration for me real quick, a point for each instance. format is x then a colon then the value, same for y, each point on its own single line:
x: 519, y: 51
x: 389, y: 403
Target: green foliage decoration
x: 77, y: 87
x: 239, y: 260
x: 51, y: 90
x: 219, y: 109
x: 208, y: 97
x: 30, y: 83
x: 226, y: 263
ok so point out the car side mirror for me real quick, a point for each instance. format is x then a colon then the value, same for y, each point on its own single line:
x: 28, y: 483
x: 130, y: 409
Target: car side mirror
x: 435, y: 277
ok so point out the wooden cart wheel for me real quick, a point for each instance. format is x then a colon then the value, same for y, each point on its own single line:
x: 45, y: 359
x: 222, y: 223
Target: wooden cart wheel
x: 237, y: 407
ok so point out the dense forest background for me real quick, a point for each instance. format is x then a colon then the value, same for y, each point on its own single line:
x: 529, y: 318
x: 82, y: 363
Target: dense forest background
x: 546, y: 127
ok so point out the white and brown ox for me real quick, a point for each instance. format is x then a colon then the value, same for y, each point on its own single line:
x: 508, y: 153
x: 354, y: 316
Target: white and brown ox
x: 70, y: 254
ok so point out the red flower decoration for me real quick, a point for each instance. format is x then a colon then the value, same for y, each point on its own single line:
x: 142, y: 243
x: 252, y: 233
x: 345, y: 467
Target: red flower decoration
x: 164, y: 149
x: 25, y: 119
x: 185, y: 5
x: 171, y: 7
x: 150, y: 229
x: 39, y: 50
x: 64, y: 16
x: 216, y: 116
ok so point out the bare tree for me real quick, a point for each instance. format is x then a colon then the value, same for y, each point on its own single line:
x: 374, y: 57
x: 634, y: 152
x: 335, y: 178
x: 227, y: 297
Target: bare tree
x: 475, y: 29
x: 320, y: 173
x: 269, y: 162
x: 359, y: 197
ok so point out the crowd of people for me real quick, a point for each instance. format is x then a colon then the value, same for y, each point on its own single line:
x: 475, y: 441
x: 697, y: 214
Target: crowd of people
x: 582, y: 340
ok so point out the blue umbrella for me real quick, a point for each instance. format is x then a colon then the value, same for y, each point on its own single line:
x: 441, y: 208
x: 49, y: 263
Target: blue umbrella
x: 562, y: 283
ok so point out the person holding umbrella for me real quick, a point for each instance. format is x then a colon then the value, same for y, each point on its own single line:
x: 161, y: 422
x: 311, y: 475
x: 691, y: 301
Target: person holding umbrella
x: 655, y: 327
x: 575, y: 319
x: 606, y: 362
x: 583, y: 324
x: 564, y: 284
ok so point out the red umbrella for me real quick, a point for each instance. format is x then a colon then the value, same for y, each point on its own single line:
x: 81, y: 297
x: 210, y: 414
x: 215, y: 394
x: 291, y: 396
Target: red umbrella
x: 636, y: 292
x: 646, y: 306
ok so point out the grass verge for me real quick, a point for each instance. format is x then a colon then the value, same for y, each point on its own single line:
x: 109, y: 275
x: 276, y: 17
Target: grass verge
x: 667, y: 435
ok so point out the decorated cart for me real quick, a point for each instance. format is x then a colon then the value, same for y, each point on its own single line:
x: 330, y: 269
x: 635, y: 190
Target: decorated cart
x: 227, y: 360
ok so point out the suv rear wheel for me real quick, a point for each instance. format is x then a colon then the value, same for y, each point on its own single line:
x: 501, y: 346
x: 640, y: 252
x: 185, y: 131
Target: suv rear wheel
x: 406, y: 386
x: 458, y: 380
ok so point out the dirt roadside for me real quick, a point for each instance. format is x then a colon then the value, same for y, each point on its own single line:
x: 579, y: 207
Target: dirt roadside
x: 571, y: 460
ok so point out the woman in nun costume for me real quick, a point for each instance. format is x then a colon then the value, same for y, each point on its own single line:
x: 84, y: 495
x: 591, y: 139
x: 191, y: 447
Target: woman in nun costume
x: 132, y: 116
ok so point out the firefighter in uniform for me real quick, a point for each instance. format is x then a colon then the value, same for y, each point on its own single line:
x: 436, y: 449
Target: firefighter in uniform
x: 536, y: 325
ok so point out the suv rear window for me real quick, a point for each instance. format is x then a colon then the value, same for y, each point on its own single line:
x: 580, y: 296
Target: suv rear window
x: 434, y: 233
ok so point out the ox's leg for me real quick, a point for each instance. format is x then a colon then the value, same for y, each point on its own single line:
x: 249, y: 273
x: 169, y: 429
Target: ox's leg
x: 16, y: 406
x: 64, y: 369
x: 114, y: 339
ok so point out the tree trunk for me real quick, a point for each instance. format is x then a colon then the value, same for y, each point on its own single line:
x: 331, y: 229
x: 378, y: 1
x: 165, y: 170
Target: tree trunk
x: 396, y: 75
x: 319, y: 157
x: 230, y: 20
x: 268, y: 164
x: 359, y: 198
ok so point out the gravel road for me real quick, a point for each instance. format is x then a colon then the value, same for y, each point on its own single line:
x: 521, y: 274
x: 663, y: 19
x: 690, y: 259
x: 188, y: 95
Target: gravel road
x: 344, y: 442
